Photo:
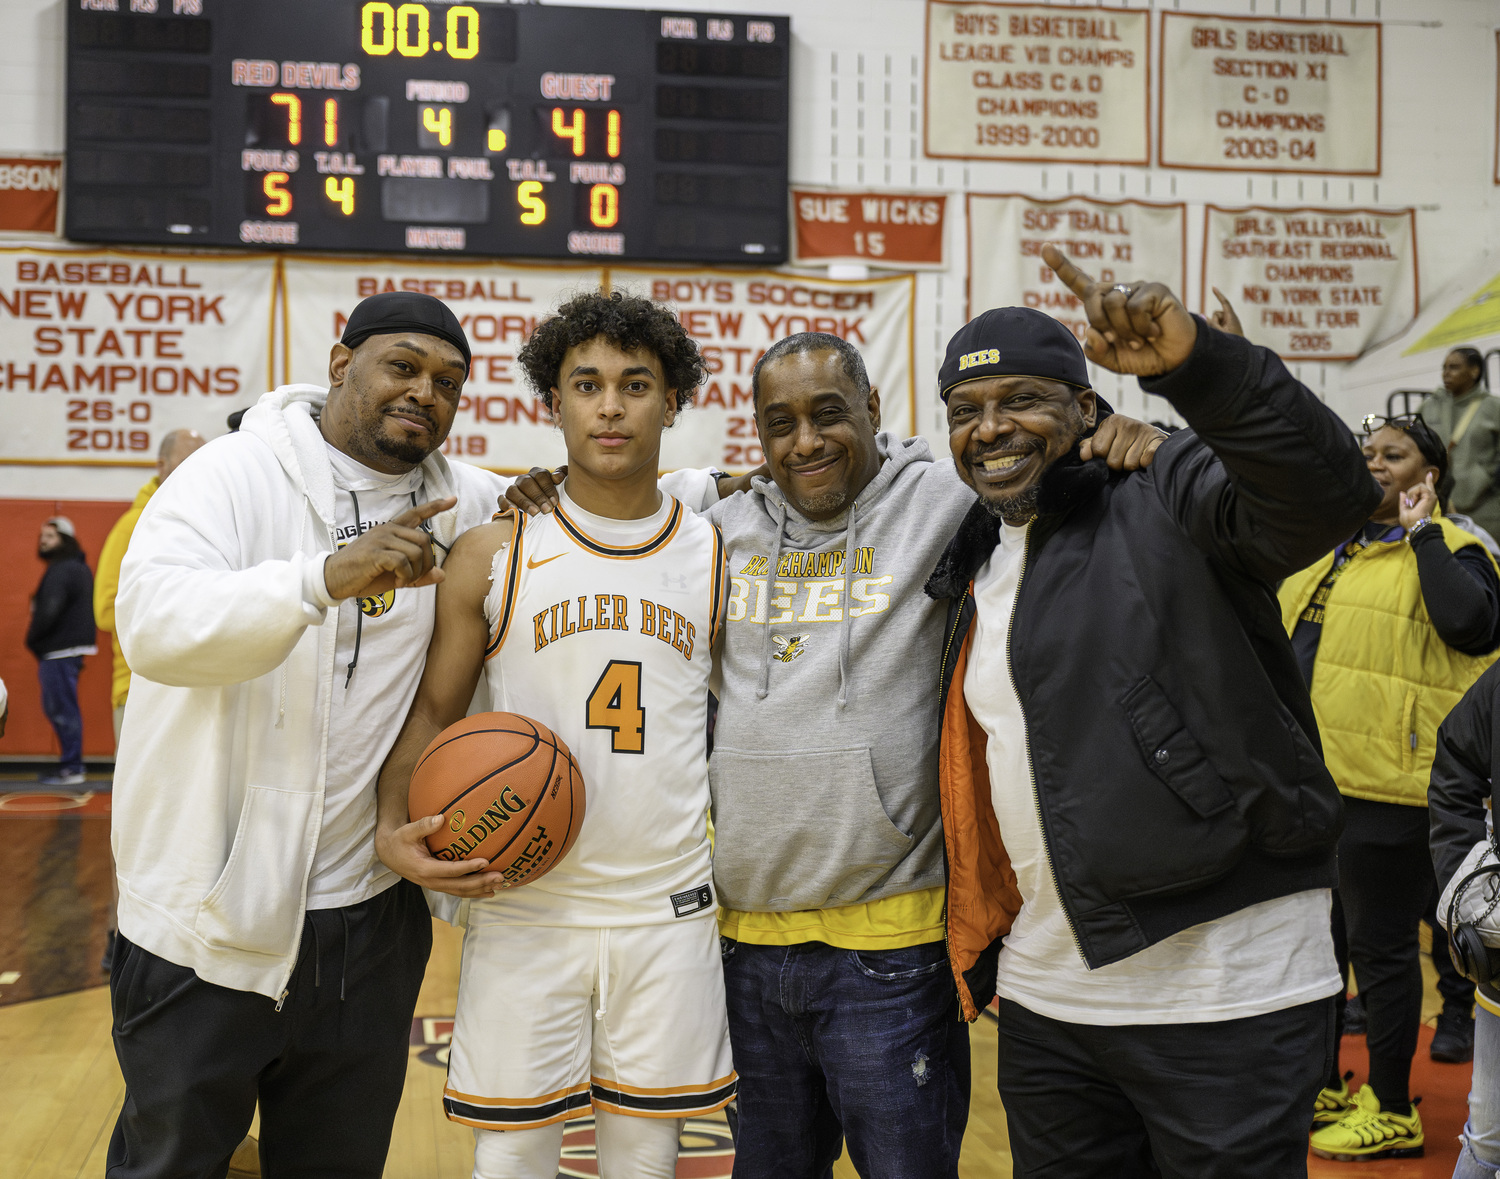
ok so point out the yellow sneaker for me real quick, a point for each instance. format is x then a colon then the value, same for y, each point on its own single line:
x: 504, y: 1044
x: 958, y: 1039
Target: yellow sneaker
x: 1333, y: 1104
x: 1367, y: 1132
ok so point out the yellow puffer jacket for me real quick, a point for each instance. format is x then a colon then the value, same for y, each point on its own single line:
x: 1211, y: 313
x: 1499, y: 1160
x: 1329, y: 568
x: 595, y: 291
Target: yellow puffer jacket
x: 1383, y: 680
x: 107, y: 584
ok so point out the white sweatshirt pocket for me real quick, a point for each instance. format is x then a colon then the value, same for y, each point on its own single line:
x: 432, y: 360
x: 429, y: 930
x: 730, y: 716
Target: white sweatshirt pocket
x: 256, y: 904
x: 799, y: 829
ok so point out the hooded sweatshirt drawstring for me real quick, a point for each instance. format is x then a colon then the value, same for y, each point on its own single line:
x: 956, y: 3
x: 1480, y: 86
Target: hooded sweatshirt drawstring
x: 359, y: 614
x: 765, y: 642
x: 846, y: 619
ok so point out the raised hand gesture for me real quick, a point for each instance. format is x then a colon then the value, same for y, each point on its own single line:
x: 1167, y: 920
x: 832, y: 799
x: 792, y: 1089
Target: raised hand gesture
x: 1418, y: 502
x: 1140, y: 329
x: 390, y: 556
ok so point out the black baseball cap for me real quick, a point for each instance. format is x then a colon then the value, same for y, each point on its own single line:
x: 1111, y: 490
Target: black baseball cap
x: 1012, y: 342
x: 405, y: 311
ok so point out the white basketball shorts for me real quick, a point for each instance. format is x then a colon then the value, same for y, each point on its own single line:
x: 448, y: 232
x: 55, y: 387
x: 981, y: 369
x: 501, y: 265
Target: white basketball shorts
x: 552, y: 1020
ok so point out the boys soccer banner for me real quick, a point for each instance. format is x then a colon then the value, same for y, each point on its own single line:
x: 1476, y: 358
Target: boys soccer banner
x: 1115, y: 241
x: 1313, y: 284
x: 499, y: 424
x: 102, y: 353
x: 736, y: 315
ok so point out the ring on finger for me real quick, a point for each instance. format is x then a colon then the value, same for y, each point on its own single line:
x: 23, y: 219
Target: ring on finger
x: 1123, y: 288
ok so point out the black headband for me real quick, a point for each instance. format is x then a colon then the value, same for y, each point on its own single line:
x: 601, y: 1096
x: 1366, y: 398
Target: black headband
x: 405, y: 311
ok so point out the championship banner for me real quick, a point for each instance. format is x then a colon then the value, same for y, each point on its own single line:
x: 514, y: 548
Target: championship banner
x: 1115, y: 241
x: 1252, y: 94
x: 1037, y: 82
x: 735, y: 315
x: 1313, y: 284
x: 28, y: 194
x: 500, y: 424
x: 102, y: 353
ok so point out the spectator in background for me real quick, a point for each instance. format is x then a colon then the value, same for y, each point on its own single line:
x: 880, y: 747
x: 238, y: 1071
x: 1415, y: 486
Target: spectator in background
x: 60, y: 635
x: 1389, y: 629
x: 1467, y: 419
x: 175, y: 447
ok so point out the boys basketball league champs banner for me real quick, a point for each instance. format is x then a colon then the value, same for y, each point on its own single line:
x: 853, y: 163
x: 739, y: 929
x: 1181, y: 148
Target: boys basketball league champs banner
x: 733, y: 315
x: 103, y: 352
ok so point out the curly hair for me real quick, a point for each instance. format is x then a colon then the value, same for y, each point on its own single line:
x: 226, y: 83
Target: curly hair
x: 626, y: 321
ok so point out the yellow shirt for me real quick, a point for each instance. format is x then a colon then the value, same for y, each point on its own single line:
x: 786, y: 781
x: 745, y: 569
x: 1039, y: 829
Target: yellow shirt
x: 891, y: 923
x: 107, y: 585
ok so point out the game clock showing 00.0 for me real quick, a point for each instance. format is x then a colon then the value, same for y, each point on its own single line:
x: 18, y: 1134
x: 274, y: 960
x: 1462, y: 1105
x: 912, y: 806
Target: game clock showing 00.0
x: 525, y: 131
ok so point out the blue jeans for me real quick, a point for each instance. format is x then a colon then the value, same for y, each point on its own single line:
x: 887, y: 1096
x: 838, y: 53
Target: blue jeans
x: 1480, y: 1158
x: 830, y: 1043
x: 60, y: 702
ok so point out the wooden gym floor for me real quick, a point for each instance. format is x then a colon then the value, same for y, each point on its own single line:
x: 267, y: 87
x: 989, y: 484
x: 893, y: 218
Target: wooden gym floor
x: 60, y: 1088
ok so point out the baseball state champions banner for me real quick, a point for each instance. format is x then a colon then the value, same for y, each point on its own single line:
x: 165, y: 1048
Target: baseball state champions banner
x: 1314, y: 284
x: 1252, y: 94
x: 1037, y: 82
x: 102, y: 353
x: 500, y: 424
x: 1115, y: 241
x: 736, y: 315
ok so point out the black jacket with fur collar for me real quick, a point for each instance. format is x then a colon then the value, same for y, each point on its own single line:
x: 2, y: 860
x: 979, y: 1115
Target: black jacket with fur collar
x: 1176, y: 759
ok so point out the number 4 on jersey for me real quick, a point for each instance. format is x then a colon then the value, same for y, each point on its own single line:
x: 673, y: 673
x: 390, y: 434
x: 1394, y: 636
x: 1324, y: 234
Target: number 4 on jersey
x: 615, y: 703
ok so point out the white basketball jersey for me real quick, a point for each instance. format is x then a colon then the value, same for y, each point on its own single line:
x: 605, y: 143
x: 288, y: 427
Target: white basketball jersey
x: 603, y: 631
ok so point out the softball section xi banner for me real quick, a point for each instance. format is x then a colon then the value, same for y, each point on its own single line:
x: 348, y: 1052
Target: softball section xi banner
x: 733, y: 315
x: 1111, y: 240
x: 102, y: 353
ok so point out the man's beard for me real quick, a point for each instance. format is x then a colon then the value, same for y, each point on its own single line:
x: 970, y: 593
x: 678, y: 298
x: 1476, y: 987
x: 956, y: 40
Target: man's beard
x: 404, y: 449
x: 830, y: 503
x: 1014, y: 509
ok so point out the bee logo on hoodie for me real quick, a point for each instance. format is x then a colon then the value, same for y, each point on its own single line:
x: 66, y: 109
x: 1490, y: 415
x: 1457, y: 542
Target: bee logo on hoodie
x: 374, y: 607
x: 789, y: 646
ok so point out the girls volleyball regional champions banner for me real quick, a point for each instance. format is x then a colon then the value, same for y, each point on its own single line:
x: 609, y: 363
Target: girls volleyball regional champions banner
x: 734, y: 316
x: 102, y: 353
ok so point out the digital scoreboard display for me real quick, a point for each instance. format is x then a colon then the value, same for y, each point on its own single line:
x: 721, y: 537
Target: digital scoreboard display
x: 491, y: 129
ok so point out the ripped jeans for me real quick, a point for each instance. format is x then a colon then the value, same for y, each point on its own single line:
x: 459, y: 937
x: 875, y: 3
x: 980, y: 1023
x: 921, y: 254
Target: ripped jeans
x: 859, y: 1044
x: 1480, y: 1158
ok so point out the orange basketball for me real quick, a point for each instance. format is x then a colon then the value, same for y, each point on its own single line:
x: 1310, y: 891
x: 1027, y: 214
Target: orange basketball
x: 509, y: 792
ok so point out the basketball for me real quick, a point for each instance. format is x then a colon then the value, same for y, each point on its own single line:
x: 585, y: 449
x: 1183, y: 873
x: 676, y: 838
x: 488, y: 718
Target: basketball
x: 509, y: 792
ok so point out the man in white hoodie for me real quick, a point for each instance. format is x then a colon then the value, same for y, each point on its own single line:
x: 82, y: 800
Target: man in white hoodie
x: 275, y: 605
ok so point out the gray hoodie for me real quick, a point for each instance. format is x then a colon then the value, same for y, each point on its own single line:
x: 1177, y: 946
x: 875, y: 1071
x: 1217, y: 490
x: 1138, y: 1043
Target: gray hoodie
x: 824, y: 772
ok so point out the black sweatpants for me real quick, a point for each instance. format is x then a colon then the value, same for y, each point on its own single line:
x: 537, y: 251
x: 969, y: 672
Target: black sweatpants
x: 1385, y: 888
x: 1226, y: 1100
x: 327, y: 1069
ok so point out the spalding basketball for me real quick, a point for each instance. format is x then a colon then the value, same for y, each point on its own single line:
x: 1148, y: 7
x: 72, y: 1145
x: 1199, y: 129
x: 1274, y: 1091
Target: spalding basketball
x: 509, y: 792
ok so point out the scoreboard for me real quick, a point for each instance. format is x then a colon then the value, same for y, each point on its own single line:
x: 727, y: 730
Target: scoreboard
x: 490, y: 129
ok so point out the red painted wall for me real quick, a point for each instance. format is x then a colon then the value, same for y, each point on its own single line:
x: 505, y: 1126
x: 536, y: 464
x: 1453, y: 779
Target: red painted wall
x: 28, y: 732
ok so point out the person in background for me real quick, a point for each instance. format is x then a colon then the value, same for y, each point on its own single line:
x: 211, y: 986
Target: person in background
x: 1389, y: 630
x: 1466, y: 418
x: 60, y: 635
x: 175, y: 447
x: 1462, y: 771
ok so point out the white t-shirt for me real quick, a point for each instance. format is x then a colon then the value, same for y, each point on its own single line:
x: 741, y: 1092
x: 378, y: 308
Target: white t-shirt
x: 1264, y: 958
x: 392, y: 632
